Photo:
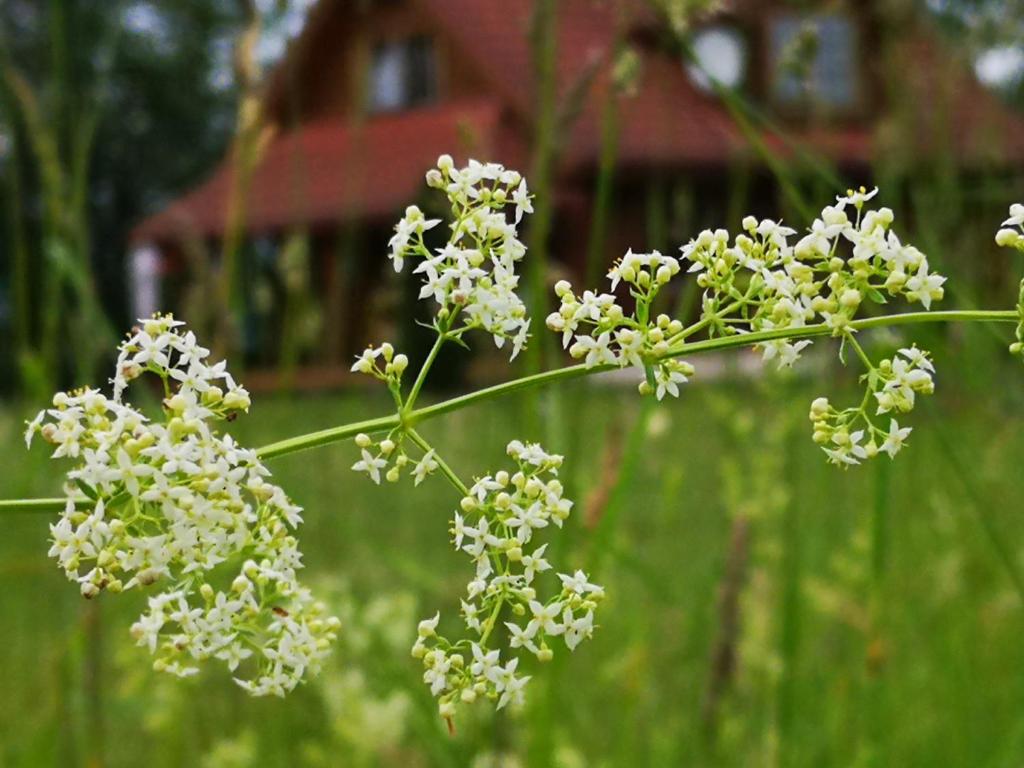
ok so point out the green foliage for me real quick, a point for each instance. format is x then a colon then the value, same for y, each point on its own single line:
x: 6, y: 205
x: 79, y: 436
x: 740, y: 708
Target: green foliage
x: 635, y: 696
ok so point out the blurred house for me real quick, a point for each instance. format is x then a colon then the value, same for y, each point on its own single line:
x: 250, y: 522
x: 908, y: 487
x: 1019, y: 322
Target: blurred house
x: 372, y: 92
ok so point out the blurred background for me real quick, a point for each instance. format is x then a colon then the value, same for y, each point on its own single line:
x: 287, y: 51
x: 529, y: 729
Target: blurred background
x: 242, y: 162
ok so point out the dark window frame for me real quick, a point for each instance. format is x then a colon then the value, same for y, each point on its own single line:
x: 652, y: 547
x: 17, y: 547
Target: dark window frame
x: 804, y: 107
x: 418, y: 84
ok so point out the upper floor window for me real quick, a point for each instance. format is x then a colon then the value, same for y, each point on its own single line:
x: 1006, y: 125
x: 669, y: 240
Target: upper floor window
x: 719, y: 57
x: 403, y: 73
x: 814, y: 61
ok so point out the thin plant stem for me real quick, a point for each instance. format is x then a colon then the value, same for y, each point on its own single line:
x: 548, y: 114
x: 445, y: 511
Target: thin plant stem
x: 446, y: 470
x: 411, y: 418
x: 421, y: 377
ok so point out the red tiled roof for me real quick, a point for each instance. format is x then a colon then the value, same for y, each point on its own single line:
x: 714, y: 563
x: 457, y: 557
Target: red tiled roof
x: 334, y: 169
x: 668, y: 121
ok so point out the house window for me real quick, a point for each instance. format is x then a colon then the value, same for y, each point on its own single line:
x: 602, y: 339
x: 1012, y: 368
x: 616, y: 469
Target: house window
x: 814, y: 61
x: 403, y: 74
x: 719, y: 57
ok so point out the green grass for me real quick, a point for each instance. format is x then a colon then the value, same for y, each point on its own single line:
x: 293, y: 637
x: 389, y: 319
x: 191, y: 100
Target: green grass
x: 878, y: 626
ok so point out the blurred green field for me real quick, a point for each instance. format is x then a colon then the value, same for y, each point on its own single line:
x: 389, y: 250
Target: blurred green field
x: 878, y: 624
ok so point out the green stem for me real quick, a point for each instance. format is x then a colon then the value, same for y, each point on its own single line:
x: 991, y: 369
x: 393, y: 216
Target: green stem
x: 491, y: 621
x: 412, y: 417
x: 446, y: 470
x: 421, y: 377
x: 328, y: 436
x: 38, y: 505
x: 860, y: 351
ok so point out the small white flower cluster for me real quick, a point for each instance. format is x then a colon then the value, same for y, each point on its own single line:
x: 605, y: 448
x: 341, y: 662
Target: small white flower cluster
x: 760, y: 282
x: 382, y: 363
x: 473, y: 277
x: 1012, y: 233
x: 894, y: 384
x: 374, y: 458
x: 503, y: 513
x: 603, y: 334
x: 1012, y: 236
x: 171, y: 501
x: 773, y: 284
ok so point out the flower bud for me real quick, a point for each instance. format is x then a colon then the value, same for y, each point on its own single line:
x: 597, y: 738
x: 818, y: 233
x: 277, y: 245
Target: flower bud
x: 434, y: 179
x: 237, y: 400
x: 1007, y: 237
x: 427, y: 627
x: 850, y: 298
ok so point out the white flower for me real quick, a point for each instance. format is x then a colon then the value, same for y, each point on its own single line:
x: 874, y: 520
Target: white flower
x: 595, y: 351
x: 856, y: 198
x: 918, y: 358
x: 535, y: 563
x: 521, y: 197
x: 427, y: 627
x: 925, y: 287
x: 577, y: 583
x: 510, y: 686
x: 425, y: 466
x: 544, y: 618
x: 785, y: 353
x: 895, y: 439
x: 1016, y: 218
x: 577, y: 629
x: 484, y: 664
x: 371, y: 465
x: 525, y: 519
x: 522, y: 638
x: 668, y: 381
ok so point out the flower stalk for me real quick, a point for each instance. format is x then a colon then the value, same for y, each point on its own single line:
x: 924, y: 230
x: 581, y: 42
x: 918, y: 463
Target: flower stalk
x: 383, y: 424
x: 172, y: 499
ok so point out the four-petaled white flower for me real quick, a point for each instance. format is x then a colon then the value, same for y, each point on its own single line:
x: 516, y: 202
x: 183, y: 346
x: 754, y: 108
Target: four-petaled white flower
x: 371, y: 465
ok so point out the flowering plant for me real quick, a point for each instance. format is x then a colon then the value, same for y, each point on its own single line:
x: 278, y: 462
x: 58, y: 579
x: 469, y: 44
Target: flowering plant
x: 176, y: 505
